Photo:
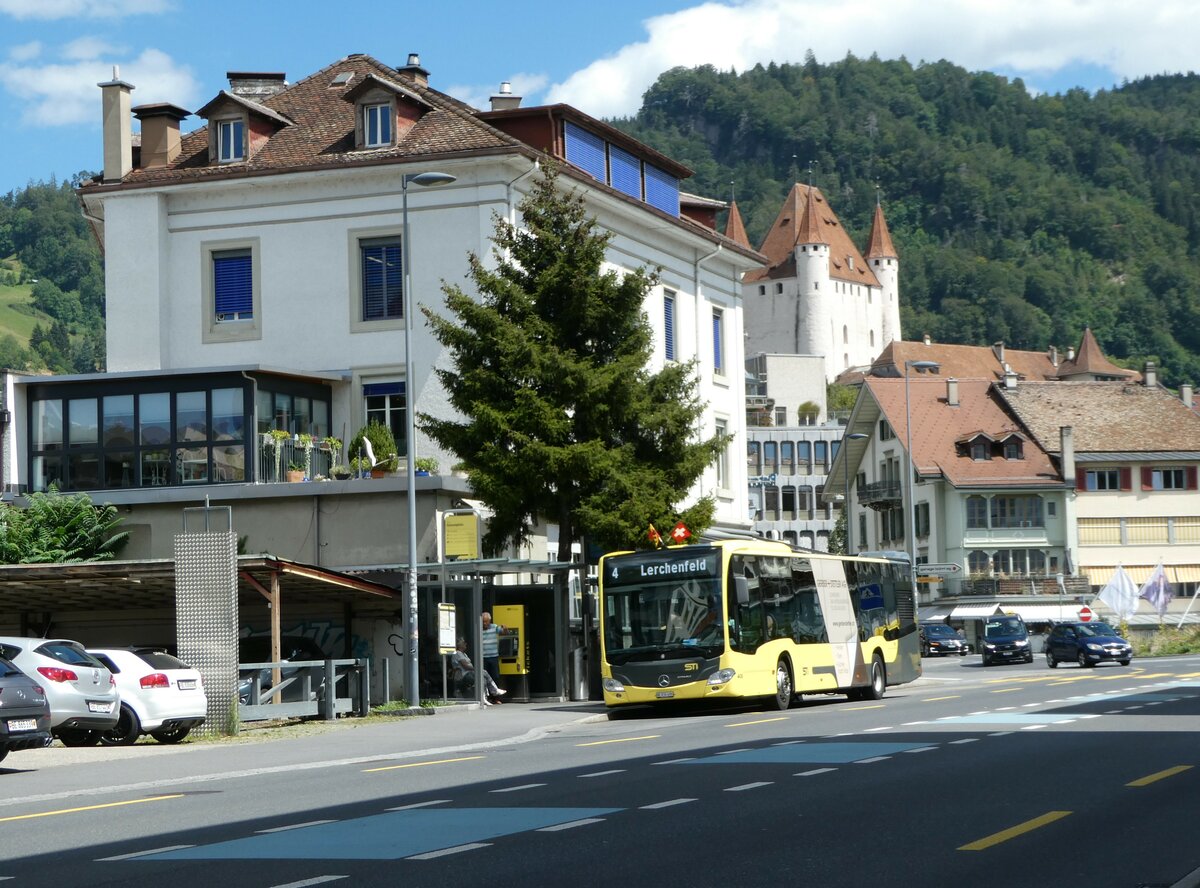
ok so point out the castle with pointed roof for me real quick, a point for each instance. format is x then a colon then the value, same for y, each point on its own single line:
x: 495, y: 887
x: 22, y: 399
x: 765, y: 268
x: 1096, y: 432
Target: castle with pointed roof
x: 819, y: 295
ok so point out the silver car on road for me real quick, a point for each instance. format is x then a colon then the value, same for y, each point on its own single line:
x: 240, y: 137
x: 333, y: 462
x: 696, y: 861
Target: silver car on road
x: 83, y: 695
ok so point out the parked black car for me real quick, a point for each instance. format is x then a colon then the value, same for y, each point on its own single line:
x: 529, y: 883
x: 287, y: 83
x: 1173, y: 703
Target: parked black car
x: 1005, y: 640
x: 940, y: 639
x: 1086, y: 644
x: 24, y: 711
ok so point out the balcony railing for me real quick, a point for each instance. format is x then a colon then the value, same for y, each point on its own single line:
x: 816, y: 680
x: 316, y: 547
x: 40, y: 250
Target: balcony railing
x: 276, y: 458
x: 879, y: 493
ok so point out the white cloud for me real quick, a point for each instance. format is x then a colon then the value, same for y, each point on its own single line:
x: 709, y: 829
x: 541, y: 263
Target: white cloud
x: 88, y: 48
x: 1035, y: 36
x: 26, y: 51
x: 61, y: 9
x: 478, y: 96
x: 66, y: 93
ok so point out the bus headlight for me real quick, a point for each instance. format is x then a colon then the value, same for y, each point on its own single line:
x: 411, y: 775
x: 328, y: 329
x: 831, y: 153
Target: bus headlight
x: 613, y: 686
x: 724, y: 675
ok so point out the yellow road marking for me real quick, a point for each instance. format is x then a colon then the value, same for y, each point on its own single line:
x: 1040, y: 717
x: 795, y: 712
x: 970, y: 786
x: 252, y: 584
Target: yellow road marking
x: 620, y: 740
x: 1160, y: 775
x: 1013, y: 831
x: 466, y: 758
x: 855, y: 708
x: 935, y: 699
x: 91, y: 808
x: 760, y: 721
x: 1005, y: 690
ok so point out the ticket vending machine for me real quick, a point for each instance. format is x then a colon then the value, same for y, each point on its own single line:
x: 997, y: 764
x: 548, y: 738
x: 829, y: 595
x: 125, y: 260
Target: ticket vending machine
x: 514, y: 648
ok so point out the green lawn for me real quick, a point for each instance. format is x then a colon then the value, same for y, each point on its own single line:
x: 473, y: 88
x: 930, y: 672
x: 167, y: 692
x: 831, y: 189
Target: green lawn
x: 17, y: 316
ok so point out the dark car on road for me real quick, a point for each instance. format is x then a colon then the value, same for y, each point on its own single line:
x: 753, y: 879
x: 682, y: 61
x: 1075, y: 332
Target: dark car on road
x: 24, y: 711
x: 1086, y: 644
x: 1005, y: 640
x: 940, y: 639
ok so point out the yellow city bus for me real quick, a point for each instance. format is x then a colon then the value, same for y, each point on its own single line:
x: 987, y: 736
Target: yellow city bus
x: 753, y: 618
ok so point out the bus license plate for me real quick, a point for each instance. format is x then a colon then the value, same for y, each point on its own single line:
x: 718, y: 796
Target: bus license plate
x: 664, y: 695
x: 22, y: 724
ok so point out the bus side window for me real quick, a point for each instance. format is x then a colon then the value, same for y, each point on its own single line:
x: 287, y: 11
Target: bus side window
x: 746, y: 616
x: 809, y: 624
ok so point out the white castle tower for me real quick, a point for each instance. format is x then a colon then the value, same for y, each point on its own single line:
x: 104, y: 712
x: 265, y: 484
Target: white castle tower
x: 819, y: 295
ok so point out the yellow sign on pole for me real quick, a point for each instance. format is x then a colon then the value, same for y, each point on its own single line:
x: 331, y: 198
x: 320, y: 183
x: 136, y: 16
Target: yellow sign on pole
x: 462, y: 536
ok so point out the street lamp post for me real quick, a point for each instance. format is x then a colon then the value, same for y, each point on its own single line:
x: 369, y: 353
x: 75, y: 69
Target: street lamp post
x: 412, y: 675
x: 853, y: 436
x: 920, y: 367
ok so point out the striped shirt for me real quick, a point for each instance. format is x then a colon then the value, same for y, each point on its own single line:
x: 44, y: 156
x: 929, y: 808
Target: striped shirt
x: 491, y: 642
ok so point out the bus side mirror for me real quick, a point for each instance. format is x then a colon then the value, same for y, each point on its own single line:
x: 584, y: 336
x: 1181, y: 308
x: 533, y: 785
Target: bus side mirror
x: 741, y: 589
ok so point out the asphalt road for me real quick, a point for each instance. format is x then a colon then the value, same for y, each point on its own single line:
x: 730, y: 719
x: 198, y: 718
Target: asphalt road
x: 1012, y: 775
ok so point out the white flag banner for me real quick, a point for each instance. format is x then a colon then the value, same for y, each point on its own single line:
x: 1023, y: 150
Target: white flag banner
x: 1120, y: 594
x: 1157, y: 590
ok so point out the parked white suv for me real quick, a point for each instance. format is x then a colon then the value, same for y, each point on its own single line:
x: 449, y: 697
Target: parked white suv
x: 82, y: 692
x: 160, y: 695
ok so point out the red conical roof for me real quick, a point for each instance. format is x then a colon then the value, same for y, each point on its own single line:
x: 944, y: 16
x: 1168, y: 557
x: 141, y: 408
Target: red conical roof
x: 879, y: 244
x: 734, y: 229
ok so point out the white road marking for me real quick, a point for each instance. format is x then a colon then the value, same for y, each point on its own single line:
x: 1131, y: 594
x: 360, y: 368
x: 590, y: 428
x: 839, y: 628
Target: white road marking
x: 910, y: 724
x: 966, y: 740
x: 976, y: 712
x: 872, y: 730
x: 669, y: 804
x: 815, y: 771
x: 523, y: 786
x: 430, y: 855
x: 1000, y: 734
x: 318, y: 880
x: 420, y: 805
x: 1039, y: 727
x: 572, y: 824
x: 922, y: 749
x: 603, y: 773
x: 732, y: 751
x: 293, y: 826
x: 144, y: 853
x: 746, y: 786
x: 874, y: 758
x: 1093, y: 715
x: 675, y: 761
x: 787, y: 743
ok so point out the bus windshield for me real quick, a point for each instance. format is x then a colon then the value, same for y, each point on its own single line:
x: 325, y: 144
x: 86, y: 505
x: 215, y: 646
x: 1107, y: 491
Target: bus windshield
x: 656, y: 607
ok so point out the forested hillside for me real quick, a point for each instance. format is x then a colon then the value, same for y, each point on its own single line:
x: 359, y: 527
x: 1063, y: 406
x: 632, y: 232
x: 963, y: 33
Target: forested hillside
x: 1017, y: 218
x: 50, y: 276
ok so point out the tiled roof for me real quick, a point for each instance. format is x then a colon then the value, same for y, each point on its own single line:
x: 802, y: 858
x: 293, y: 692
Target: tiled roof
x: 734, y: 229
x: 1090, y: 359
x: 879, y: 244
x: 846, y: 263
x: 937, y: 427
x: 322, y: 134
x: 963, y: 361
x: 1105, y: 416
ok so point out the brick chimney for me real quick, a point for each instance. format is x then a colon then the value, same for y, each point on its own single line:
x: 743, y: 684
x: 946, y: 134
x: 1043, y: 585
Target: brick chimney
x: 952, y: 392
x: 1066, y: 436
x: 118, y: 127
x: 1010, y: 377
x: 256, y: 85
x: 926, y: 340
x: 505, y: 100
x: 160, y: 133
x: 413, y: 70
x: 1054, y: 355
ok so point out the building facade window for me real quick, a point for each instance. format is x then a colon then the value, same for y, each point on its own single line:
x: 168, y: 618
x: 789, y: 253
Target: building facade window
x: 1103, y: 479
x: 1169, y: 478
x: 770, y: 457
x: 718, y: 318
x: 233, y: 286
x: 377, y: 125
x: 752, y: 458
x: 981, y: 449
x: 1016, y: 511
x: 231, y: 140
x: 231, y: 291
x: 780, y: 417
x: 382, y: 279
x: 787, y: 458
x: 977, y: 512
x: 820, y: 457
x: 978, y: 563
x: 386, y: 403
x: 669, y: 325
x: 1012, y: 449
x: 722, y: 429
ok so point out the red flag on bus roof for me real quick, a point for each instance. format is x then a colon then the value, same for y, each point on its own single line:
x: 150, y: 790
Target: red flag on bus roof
x: 680, y: 534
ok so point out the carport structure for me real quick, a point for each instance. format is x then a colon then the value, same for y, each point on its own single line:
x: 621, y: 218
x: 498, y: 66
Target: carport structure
x: 135, y: 602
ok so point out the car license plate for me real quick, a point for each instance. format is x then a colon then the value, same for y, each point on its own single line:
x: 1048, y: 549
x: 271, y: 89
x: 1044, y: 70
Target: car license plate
x: 187, y: 684
x: 93, y: 706
x: 22, y: 724
x: 664, y: 695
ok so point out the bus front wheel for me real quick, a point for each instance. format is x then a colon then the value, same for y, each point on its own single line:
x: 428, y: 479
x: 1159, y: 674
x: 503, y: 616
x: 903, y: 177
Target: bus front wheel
x: 783, y: 686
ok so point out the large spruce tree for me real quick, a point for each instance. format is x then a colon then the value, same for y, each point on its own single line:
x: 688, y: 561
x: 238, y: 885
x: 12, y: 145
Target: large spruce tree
x: 562, y: 420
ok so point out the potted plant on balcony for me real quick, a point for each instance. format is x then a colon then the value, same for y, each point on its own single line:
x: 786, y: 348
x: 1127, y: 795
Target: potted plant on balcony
x: 296, y: 472
x: 305, y: 443
x: 425, y: 465
x: 274, y: 439
x: 376, y: 444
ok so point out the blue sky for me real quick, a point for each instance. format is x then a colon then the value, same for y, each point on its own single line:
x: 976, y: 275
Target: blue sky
x: 598, y: 57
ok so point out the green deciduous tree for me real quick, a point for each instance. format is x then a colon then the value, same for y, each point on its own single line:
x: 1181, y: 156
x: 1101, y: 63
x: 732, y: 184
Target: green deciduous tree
x: 56, y: 528
x: 563, y: 421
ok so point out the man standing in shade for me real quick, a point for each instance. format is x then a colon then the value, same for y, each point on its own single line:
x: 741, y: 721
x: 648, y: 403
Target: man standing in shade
x: 491, y: 647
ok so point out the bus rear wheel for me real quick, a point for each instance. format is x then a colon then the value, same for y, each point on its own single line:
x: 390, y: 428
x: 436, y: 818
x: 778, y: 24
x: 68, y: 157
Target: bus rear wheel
x: 783, y: 687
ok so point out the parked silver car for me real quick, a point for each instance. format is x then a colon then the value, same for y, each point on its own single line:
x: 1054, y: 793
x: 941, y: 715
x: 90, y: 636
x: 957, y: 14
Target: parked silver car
x: 83, y: 694
x: 24, y: 712
x: 160, y: 695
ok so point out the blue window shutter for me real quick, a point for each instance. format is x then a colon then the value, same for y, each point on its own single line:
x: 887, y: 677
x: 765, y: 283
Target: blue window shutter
x: 669, y: 326
x: 662, y: 190
x: 626, y: 171
x: 383, y: 388
x: 586, y: 151
x: 382, y: 281
x: 233, y: 284
x: 718, y: 358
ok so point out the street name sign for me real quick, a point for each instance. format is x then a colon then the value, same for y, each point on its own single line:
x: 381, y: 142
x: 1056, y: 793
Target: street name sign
x: 946, y: 571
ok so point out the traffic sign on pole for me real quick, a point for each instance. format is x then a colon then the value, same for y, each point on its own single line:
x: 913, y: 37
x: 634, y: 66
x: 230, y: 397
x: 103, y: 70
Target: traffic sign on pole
x: 947, y: 571
x: 1086, y: 614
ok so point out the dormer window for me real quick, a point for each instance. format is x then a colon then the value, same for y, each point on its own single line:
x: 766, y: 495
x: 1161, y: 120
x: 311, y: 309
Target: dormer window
x: 1012, y: 449
x: 377, y: 125
x: 231, y: 140
x: 981, y: 449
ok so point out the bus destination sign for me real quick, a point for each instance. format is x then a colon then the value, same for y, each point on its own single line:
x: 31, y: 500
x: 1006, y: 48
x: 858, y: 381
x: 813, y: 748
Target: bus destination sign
x: 691, y: 562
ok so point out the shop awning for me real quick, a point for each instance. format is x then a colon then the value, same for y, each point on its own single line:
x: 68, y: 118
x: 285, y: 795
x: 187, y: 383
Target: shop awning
x: 1139, y: 573
x: 975, y: 610
x: 1041, y: 613
x: 927, y: 614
